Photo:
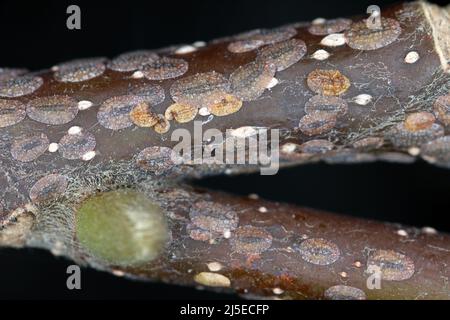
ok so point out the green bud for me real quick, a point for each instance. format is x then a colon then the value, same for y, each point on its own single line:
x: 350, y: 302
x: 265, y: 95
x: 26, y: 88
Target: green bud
x: 122, y: 227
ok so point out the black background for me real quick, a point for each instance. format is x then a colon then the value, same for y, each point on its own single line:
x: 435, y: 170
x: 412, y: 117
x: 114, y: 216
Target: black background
x: 34, y: 35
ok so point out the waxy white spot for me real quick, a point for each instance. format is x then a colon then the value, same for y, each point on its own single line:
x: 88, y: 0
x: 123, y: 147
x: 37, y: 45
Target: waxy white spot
x: 362, y: 99
x: 343, y: 274
x: 429, y: 159
x: 402, y: 233
x: 244, y: 132
x: 320, y: 55
x: 319, y: 20
x: 357, y: 264
x: 214, y: 266
x: 185, y: 49
x: 84, y: 104
x: 289, y: 147
x: 253, y: 196
x: 118, y: 273
x: 203, y: 111
x: 53, y: 147
x: 199, y: 44
x: 262, y: 209
x: 88, y: 156
x: 277, y: 291
x: 57, y: 249
x: 74, y: 130
x: 272, y: 83
x: 414, y: 151
x: 429, y: 230
x: 227, y: 234
x: 137, y: 75
x: 412, y: 57
x: 333, y: 40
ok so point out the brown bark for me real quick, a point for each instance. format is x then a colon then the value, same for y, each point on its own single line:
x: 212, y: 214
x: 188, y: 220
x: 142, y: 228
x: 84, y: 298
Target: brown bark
x: 388, y: 96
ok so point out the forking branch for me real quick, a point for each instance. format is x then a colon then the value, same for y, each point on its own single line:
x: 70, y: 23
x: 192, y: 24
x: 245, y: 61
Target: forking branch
x: 88, y: 170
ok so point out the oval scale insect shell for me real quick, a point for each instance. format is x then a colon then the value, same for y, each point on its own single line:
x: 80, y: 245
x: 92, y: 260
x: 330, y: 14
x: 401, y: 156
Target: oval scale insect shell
x: 122, y: 227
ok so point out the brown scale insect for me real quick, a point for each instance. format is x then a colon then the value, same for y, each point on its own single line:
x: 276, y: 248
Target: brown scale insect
x: 248, y: 82
x: 442, y: 109
x: 328, y: 82
x: 319, y: 251
x: 29, y: 148
x: 48, y: 187
x: 326, y: 104
x: 114, y: 113
x: 317, y: 123
x: 142, y: 116
x: 52, y: 109
x: 437, y: 151
x: 153, y: 94
x: 242, y: 46
x: 211, y: 279
x: 199, y: 234
x: 210, y: 221
x: 165, y: 68
x: 228, y: 105
x: 292, y: 267
x: 283, y: 54
x: 317, y: 146
x: 342, y: 292
x: 419, y: 121
x: 80, y: 70
x: 162, y: 126
x: 360, y: 37
x: 393, y: 265
x: 251, y: 240
x: 182, y: 113
x: 10, y: 73
x: 369, y: 143
x: 11, y: 112
x: 155, y: 159
x: 268, y: 36
x: 132, y: 61
x: 395, y: 157
x: 345, y: 155
x: 200, y: 90
x: 329, y: 26
x: 74, y: 146
x: 20, y: 86
x: 401, y: 137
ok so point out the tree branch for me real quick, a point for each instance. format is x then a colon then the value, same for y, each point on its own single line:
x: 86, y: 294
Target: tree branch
x: 95, y: 134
